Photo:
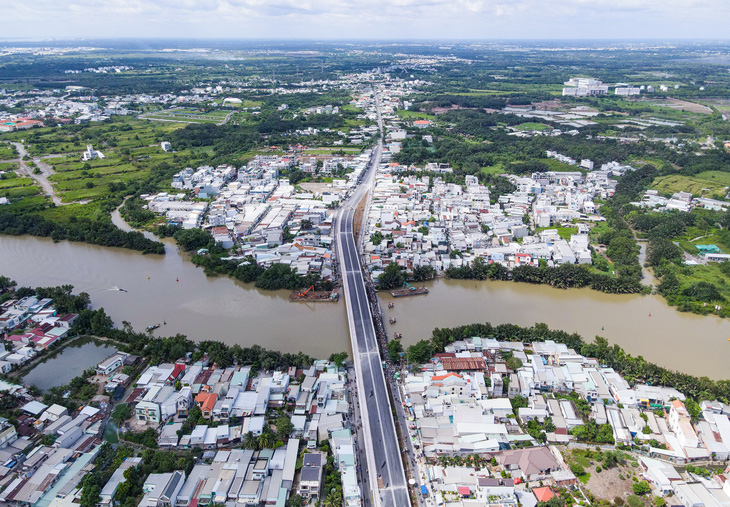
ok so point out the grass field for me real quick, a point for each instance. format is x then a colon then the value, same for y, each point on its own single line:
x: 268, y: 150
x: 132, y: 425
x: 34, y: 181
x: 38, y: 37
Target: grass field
x: 717, y: 177
x: 8, y: 167
x: 563, y: 232
x: 7, y: 152
x: 122, y: 132
x: 415, y: 115
x: 188, y: 116
x: 14, y: 187
x: 531, y: 126
x: 329, y: 151
x: 493, y: 169
x: 710, y: 273
x: 131, y: 148
x: 696, y: 185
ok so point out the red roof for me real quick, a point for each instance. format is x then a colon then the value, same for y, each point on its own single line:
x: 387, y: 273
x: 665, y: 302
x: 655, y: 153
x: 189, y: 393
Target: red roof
x: 176, y: 371
x: 464, y: 490
x: 442, y: 377
x: 543, y: 494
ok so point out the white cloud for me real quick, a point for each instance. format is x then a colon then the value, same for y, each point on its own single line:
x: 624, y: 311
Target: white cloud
x: 367, y: 18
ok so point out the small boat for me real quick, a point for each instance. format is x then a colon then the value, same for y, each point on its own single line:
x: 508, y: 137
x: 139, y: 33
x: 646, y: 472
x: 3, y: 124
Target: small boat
x: 152, y: 328
x: 177, y: 279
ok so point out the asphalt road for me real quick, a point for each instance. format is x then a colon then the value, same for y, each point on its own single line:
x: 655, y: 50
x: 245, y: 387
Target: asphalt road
x: 381, y: 441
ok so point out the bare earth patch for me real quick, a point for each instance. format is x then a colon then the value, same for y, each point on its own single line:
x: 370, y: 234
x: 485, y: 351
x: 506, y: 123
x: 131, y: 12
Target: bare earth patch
x: 690, y: 106
x: 607, y: 485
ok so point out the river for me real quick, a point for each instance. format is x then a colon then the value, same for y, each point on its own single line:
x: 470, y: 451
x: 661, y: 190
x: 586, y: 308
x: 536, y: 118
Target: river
x: 169, y: 288
x: 641, y: 325
x: 226, y: 310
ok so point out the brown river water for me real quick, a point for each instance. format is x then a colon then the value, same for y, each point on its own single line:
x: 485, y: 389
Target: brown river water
x: 180, y: 294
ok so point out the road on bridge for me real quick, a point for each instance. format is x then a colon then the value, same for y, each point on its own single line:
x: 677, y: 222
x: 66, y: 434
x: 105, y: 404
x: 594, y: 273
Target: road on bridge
x: 384, y: 466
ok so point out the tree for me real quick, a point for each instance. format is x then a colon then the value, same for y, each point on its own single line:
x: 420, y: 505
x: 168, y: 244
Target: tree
x: 394, y: 350
x: 284, y: 427
x: 339, y: 358
x: 295, y: 500
x: 121, y: 413
x: 90, y: 495
x: 577, y: 469
x: 392, y: 277
x: 6, y: 283
x: 192, y: 239
x: 548, y: 425
x: 249, y: 441
x: 420, y: 352
x: 514, y: 363
x: 641, y: 487
x: 266, y: 439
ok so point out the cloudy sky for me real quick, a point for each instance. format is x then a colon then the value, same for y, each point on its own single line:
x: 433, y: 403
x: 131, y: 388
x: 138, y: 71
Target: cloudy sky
x: 390, y: 19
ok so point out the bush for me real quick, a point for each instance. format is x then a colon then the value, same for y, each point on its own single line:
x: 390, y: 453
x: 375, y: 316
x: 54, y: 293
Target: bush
x: 577, y: 469
x: 641, y: 487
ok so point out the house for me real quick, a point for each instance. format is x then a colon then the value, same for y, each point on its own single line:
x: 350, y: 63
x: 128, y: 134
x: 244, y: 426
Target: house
x: 532, y: 464
x: 543, y: 494
x: 110, y: 488
x: 147, y: 411
x: 206, y: 402
x: 680, y: 423
x: 311, y: 476
x: 111, y: 364
x: 161, y: 490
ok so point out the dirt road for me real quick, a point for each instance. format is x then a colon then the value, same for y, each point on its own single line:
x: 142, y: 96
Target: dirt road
x: 41, y: 178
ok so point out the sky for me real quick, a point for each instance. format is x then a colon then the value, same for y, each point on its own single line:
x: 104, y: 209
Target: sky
x: 367, y: 19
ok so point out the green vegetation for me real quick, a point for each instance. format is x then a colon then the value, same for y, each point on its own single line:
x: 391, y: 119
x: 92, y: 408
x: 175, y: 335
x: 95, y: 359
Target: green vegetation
x: 634, y: 369
x: 533, y: 126
x: 696, y: 185
x: 700, y: 288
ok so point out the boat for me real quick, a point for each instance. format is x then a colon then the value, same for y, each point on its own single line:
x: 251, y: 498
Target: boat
x: 152, y: 328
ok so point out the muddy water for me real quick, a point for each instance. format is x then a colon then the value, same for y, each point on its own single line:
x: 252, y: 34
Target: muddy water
x: 642, y: 325
x: 171, y: 289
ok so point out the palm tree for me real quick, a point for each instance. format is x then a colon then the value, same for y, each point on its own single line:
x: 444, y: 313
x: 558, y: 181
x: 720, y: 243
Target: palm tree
x: 266, y: 439
x: 334, y: 499
x: 249, y: 441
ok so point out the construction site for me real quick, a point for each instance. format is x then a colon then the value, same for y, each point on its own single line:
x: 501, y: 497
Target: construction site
x: 408, y: 290
x: 312, y: 296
